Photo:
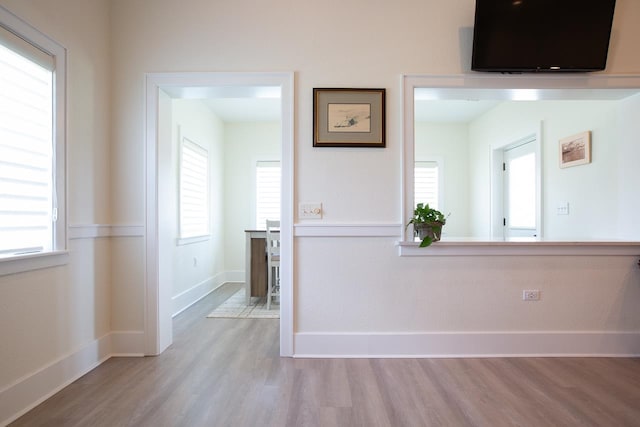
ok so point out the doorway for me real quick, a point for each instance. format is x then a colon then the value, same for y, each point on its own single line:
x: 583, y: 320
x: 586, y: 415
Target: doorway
x: 519, y: 189
x: 158, y: 307
x: 516, y: 187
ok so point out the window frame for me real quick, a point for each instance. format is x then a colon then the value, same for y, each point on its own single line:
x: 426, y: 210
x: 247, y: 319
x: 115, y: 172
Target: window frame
x: 439, y: 162
x: 58, y: 255
x: 255, y: 165
x: 181, y: 240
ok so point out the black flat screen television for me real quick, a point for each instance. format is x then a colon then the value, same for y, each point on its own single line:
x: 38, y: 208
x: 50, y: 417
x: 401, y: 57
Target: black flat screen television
x: 541, y: 35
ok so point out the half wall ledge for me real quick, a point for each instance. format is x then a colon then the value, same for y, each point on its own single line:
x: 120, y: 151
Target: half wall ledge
x: 538, y: 247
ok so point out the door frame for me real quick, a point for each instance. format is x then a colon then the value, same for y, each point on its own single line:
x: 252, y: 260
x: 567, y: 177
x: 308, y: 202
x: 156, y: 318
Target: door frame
x: 496, y: 186
x: 531, y: 146
x: 157, y: 300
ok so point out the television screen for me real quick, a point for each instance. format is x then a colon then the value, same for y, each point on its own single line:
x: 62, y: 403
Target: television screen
x: 541, y: 35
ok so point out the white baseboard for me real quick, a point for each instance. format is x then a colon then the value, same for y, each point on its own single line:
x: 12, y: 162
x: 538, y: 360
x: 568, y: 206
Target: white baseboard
x: 469, y: 344
x: 32, y: 389
x: 234, y: 276
x: 127, y: 344
x: 189, y: 297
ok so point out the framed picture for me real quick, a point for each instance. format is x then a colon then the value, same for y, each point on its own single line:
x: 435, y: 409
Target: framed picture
x: 575, y: 150
x: 348, y: 117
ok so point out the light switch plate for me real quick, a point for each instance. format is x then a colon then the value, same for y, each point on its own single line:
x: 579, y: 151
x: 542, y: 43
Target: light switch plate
x: 310, y: 210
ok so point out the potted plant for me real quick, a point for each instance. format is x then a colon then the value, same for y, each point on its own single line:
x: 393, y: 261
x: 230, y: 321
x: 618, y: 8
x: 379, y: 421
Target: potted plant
x: 427, y: 224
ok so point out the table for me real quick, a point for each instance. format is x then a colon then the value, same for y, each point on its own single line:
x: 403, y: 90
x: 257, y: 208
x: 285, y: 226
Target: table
x: 255, y: 281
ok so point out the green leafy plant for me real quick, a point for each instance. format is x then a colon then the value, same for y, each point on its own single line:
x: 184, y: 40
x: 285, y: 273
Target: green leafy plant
x: 427, y: 223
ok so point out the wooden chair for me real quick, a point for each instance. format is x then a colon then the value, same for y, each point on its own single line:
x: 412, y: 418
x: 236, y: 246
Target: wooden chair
x: 273, y: 260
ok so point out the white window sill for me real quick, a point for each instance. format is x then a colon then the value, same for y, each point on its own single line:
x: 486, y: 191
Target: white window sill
x: 28, y: 262
x: 190, y: 240
x: 519, y: 247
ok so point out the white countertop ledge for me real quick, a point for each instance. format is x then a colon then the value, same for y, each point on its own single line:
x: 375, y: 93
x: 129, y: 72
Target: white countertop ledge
x: 520, y: 247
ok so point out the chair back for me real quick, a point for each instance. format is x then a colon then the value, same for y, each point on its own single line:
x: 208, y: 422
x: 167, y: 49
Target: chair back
x: 273, y: 238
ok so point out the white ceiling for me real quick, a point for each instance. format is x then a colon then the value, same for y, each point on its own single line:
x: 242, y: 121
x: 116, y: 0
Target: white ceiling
x: 245, y: 109
x: 461, y: 105
x: 450, y: 111
x: 235, y: 103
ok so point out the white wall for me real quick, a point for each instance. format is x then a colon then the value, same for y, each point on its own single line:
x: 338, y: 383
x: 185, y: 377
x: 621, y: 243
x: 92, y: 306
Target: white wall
x: 628, y: 172
x: 343, y: 285
x: 450, y: 143
x: 359, y: 186
x: 196, y: 267
x: 586, y: 188
x: 245, y: 144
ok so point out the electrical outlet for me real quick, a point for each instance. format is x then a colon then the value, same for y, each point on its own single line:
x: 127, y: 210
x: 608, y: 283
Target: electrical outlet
x: 563, y: 208
x: 530, y: 295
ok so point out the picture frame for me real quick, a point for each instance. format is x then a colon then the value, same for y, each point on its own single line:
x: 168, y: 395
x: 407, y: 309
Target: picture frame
x: 575, y: 150
x: 349, y: 117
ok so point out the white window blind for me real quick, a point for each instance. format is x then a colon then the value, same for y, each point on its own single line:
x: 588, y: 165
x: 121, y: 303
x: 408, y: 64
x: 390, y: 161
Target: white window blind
x: 267, y: 192
x: 194, y: 190
x: 426, y: 185
x: 27, y: 202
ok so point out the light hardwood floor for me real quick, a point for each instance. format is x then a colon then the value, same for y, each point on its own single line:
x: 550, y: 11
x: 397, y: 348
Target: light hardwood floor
x: 227, y: 372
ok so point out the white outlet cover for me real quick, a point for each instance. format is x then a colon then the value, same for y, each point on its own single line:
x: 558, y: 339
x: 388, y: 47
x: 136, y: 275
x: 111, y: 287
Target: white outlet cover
x: 563, y: 208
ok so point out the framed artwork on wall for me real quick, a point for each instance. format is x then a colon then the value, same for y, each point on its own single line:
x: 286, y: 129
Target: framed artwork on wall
x: 575, y: 150
x: 348, y: 117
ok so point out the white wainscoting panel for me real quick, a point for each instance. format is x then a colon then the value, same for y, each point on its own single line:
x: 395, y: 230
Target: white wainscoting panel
x: 309, y: 229
x: 469, y: 344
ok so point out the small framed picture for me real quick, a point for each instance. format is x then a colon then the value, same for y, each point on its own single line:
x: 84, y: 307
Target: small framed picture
x: 575, y: 150
x: 348, y: 117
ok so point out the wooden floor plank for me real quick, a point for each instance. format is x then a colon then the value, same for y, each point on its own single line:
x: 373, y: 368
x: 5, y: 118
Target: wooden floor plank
x: 227, y: 372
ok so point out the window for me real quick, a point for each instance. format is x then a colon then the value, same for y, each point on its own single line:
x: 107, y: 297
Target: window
x: 194, y: 190
x: 32, y: 145
x: 267, y: 192
x: 426, y: 184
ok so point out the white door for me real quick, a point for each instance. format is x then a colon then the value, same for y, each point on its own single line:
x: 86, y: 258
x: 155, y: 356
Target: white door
x: 519, y: 181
